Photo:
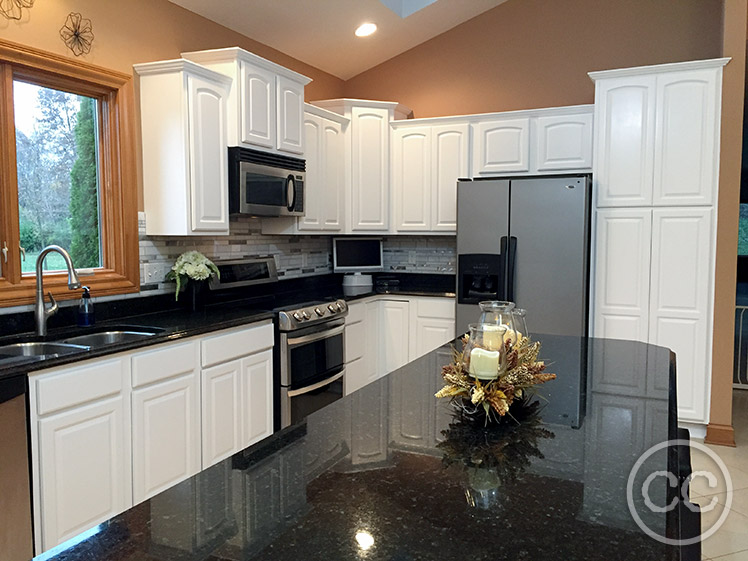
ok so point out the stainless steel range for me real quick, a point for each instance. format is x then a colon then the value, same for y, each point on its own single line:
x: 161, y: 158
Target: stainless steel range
x: 311, y: 352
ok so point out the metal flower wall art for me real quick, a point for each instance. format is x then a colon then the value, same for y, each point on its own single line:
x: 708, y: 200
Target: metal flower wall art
x: 77, y: 33
x: 13, y: 9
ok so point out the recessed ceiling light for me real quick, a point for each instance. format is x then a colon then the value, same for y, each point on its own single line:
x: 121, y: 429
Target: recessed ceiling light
x: 366, y: 29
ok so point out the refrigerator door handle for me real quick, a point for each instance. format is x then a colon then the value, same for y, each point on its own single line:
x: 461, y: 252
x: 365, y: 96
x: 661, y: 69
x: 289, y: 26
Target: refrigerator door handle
x: 511, y: 262
x: 501, y: 289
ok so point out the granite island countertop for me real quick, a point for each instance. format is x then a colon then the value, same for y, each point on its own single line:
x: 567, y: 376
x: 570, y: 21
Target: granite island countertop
x: 367, y: 477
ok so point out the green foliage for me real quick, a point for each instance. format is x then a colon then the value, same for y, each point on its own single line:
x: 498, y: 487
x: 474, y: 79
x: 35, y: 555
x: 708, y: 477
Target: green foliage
x: 743, y: 236
x: 30, y: 239
x: 84, y: 203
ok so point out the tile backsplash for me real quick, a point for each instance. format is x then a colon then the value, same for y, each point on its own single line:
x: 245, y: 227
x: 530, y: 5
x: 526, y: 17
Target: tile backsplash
x: 420, y: 254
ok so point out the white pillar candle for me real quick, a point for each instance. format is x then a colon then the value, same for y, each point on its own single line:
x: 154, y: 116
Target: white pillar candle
x: 484, y: 364
x: 493, y: 336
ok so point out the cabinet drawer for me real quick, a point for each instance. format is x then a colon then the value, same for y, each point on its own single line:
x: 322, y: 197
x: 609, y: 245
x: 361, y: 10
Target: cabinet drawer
x: 356, y: 313
x: 355, y: 341
x: 441, y: 308
x: 79, y: 383
x: 163, y: 363
x: 236, y: 343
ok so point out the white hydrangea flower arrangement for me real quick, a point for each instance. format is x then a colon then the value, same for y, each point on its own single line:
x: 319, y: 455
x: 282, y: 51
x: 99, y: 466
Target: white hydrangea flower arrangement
x: 191, y: 265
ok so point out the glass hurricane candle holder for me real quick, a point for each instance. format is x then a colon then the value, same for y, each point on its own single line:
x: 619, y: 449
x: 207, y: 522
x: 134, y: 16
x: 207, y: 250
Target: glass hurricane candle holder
x: 497, y: 312
x: 519, y: 323
x: 483, y: 350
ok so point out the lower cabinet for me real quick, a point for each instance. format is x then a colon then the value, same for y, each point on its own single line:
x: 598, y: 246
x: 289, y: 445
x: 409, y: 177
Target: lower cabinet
x: 111, y: 432
x: 384, y: 333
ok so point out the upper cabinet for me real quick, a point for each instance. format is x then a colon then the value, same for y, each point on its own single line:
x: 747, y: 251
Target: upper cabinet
x: 367, y: 161
x: 657, y: 134
x: 325, y: 170
x: 541, y: 141
x: 427, y: 160
x: 185, y: 169
x: 265, y: 102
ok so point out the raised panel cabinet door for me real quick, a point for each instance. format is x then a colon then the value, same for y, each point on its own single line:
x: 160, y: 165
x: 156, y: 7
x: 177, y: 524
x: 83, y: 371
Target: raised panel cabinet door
x: 208, y: 161
x: 221, y: 412
x: 564, y: 142
x: 624, y: 146
x: 257, y: 397
x: 372, y: 355
x: 165, y: 434
x: 687, y: 137
x: 356, y: 376
x: 314, y: 196
x: 450, y: 160
x: 501, y: 146
x: 290, y: 116
x: 257, y: 106
x: 332, y: 163
x: 394, y: 334
x: 620, y: 300
x: 370, y: 153
x: 411, y: 178
x: 84, y: 466
x: 430, y: 333
x: 680, y: 307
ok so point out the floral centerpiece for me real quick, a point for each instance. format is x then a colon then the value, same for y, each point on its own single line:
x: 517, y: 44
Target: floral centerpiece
x: 191, y: 265
x: 496, y: 366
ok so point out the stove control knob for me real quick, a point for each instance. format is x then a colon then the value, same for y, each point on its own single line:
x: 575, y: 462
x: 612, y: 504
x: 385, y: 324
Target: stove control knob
x: 332, y: 308
x: 340, y: 307
x: 305, y: 314
x: 319, y: 312
x: 297, y: 316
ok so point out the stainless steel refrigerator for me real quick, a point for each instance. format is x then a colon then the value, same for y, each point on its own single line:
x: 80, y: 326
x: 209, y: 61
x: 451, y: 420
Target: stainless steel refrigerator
x: 526, y: 240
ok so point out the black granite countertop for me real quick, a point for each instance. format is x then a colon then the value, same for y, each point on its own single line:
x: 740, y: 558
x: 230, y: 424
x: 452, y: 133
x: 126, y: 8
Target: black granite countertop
x: 387, y: 473
x: 228, y: 309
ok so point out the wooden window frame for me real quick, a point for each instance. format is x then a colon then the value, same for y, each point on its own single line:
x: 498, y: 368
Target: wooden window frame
x: 120, y: 272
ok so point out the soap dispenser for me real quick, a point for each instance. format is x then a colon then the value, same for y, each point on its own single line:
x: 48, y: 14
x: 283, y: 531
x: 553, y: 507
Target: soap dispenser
x: 85, y: 309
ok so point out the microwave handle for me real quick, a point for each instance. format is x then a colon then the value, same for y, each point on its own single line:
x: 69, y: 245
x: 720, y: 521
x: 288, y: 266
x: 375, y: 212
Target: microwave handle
x: 290, y: 192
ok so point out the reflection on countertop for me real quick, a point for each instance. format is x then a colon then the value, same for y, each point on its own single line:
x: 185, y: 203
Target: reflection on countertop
x: 368, y: 476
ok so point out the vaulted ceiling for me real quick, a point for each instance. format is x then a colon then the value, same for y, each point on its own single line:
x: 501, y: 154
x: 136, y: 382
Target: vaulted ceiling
x: 321, y: 32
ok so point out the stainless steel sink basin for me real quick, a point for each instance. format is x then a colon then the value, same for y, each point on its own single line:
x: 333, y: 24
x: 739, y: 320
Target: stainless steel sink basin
x: 112, y: 337
x: 39, y: 350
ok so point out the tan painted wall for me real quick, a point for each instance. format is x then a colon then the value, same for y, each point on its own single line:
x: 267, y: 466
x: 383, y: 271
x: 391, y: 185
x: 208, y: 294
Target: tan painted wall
x: 133, y: 31
x: 733, y: 91
x: 525, y: 54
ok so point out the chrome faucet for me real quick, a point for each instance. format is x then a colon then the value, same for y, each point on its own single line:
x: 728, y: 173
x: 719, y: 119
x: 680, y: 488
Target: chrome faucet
x: 41, y: 312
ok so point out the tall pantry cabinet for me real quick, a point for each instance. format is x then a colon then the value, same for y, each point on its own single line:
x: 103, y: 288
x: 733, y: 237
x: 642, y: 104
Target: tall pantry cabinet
x: 656, y: 166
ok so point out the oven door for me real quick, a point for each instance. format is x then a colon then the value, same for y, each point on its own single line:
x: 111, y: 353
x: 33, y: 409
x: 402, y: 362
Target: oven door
x: 312, y: 365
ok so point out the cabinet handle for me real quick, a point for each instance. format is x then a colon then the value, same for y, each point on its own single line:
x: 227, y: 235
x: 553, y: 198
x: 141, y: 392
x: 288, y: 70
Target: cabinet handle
x: 23, y: 253
x: 5, y: 252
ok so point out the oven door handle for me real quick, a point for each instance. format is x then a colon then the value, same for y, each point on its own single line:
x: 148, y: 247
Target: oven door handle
x: 330, y: 380
x: 296, y: 341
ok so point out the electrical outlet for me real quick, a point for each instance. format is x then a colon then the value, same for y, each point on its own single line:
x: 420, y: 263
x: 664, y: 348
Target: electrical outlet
x: 154, y: 272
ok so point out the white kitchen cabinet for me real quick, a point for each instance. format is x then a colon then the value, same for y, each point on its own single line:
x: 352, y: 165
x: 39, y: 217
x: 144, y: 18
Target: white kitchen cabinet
x: 427, y: 160
x: 394, y: 338
x: 357, y: 353
x: 680, y: 310
x: 265, y: 102
x: 325, y: 170
x: 236, y: 384
x: 185, y: 170
x: 80, y: 443
x: 687, y: 137
x: 656, y: 169
x: 367, y: 161
x: 622, y: 271
x: 432, y: 324
x: 166, y: 440
x: 501, y: 146
x: 563, y: 142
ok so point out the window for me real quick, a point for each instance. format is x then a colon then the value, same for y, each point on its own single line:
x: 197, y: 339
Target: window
x: 66, y: 174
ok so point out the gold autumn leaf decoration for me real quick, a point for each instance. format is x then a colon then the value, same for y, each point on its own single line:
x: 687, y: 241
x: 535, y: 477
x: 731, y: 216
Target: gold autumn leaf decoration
x: 519, y: 370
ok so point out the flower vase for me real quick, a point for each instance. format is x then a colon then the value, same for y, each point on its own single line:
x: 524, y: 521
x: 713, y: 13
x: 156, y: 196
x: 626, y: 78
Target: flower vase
x: 195, y: 295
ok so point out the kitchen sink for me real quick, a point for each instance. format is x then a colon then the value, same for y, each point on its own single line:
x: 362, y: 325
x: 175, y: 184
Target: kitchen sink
x: 38, y: 350
x: 112, y: 336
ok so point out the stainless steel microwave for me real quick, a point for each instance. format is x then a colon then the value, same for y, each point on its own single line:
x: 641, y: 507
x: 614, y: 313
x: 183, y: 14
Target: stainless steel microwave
x: 264, y: 184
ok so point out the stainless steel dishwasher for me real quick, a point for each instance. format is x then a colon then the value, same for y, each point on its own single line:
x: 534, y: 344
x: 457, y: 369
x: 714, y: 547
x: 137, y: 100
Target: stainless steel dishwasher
x: 16, y: 542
